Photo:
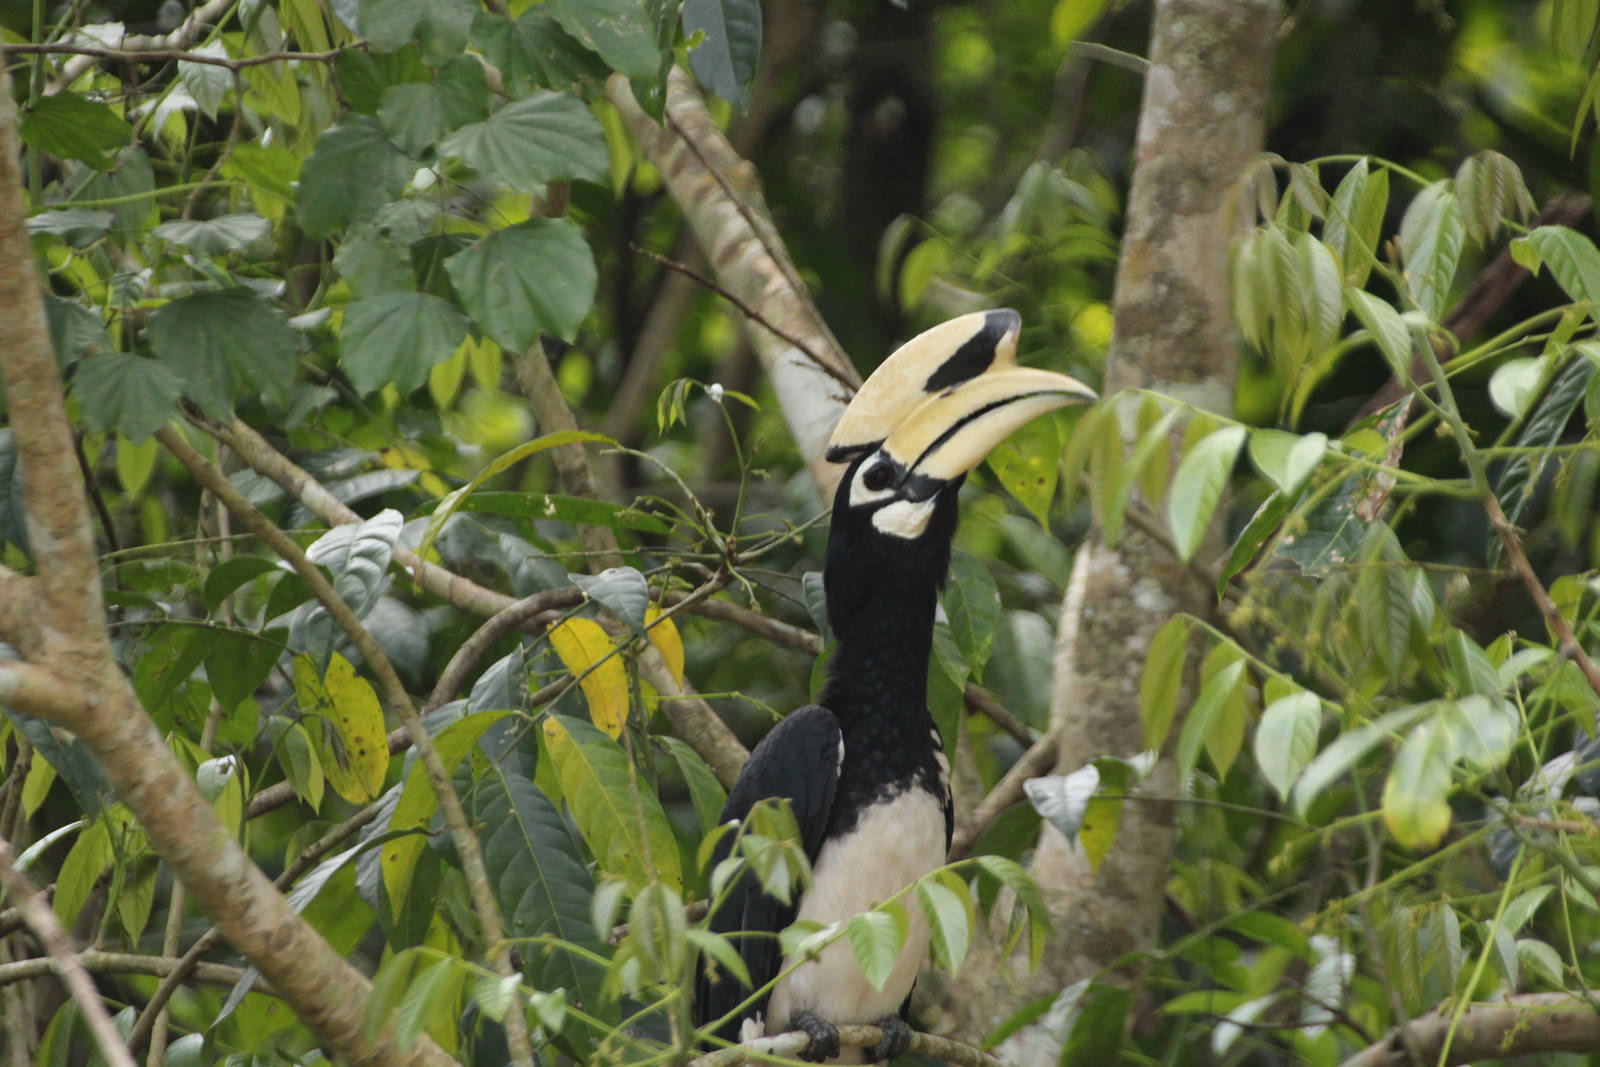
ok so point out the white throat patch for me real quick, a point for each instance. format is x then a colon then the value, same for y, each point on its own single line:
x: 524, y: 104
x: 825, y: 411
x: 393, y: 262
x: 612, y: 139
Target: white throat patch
x: 906, y: 519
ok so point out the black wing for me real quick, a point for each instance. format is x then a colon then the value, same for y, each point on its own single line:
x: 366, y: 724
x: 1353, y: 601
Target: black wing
x: 800, y: 760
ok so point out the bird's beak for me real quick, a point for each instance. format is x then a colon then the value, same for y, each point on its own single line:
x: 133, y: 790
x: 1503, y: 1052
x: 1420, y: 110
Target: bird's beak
x: 945, y: 399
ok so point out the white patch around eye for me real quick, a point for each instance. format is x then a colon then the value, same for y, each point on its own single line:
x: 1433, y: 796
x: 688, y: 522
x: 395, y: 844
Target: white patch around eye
x: 860, y: 494
x: 906, y: 519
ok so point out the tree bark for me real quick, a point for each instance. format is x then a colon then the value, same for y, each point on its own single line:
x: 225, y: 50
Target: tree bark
x: 1202, y: 120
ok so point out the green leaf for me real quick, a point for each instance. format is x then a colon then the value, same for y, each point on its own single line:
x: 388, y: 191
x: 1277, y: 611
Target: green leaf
x: 1286, y: 739
x: 1483, y: 729
x: 540, y: 881
x: 1387, y: 328
x: 1028, y: 465
x: 621, y: 591
x: 950, y: 919
x: 347, y: 728
x: 1099, y: 1026
x: 1416, y: 795
x: 215, y: 237
x: 1149, y: 452
x: 217, y: 343
x: 1523, y: 906
x: 353, y: 171
x: 1490, y: 187
x: 1542, y: 430
x: 79, y: 227
x: 725, y: 61
x: 1262, y: 525
x: 237, y: 662
x: 1543, y: 961
x: 875, y: 939
x: 129, y: 394
x: 89, y: 856
x: 618, y: 815
x: 1209, y: 706
x: 620, y: 31
x: 1431, y: 232
x: 357, y: 555
x: 530, y: 142
x: 1287, y: 459
x: 517, y: 282
x: 972, y: 601
x: 1197, y: 487
x: 1162, y: 679
x: 1571, y: 257
x: 1514, y: 385
x: 397, y: 338
x: 70, y: 126
x: 1332, y: 762
x: 705, y: 792
x: 533, y: 51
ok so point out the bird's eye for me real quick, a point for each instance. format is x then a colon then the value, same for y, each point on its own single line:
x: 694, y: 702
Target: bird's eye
x: 878, y: 477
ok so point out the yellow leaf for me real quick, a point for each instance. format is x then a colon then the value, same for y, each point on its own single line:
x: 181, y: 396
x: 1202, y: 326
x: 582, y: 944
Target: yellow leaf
x: 444, y: 380
x: 135, y: 463
x: 581, y: 644
x: 357, y: 757
x: 664, y: 635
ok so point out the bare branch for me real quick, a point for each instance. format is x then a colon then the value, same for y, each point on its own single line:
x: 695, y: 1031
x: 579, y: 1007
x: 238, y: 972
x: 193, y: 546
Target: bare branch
x: 41, y: 919
x: 791, y: 1044
x: 96, y: 961
x: 41, y: 692
x: 170, y: 55
x: 178, y: 38
x: 1519, y: 1026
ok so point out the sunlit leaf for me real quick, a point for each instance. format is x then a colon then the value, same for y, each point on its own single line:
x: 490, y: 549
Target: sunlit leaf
x: 1197, y: 487
x: 588, y: 652
x: 347, y: 729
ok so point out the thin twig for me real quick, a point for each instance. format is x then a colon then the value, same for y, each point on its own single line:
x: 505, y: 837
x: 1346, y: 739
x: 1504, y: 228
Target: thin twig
x: 41, y: 919
x: 526, y: 614
x: 168, y: 55
x: 749, y: 312
x: 791, y: 1044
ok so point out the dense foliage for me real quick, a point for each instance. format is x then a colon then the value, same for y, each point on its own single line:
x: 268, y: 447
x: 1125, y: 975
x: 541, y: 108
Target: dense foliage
x: 374, y: 232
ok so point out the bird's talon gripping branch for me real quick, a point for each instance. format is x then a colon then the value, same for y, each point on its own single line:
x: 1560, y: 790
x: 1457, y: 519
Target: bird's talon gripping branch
x: 896, y: 1040
x: 824, y: 1037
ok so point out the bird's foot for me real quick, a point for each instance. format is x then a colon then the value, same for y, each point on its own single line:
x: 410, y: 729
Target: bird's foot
x: 823, y: 1034
x: 896, y: 1040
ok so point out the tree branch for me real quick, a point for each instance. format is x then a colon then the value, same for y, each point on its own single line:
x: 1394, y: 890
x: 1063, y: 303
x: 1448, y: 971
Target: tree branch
x: 791, y: 1044
x: 169, y: 55
x: 98, y: 962
x: 1520, y: 1026
x: 41, y: 919
x: 179, y: 38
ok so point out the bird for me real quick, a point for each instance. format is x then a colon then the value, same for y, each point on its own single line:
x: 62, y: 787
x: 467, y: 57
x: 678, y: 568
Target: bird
x: 864, y: 769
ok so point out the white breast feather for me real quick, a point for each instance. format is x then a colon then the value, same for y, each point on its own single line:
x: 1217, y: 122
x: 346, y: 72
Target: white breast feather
x: 892, y: 845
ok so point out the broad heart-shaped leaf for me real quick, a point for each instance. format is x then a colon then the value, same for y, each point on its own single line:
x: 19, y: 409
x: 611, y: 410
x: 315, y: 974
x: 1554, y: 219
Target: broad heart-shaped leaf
x: 218, y: 342
x: 1197, y: 487
x: 353, y: 171
x: 1431, y: 233
x: 517, y: 282
x: 438, y: 26
x: 533, y: 51
x: 617, y: 814
x: 542, y: 138
x: 1416, y: 795
x: 70, y: 126
x: 1571, y: 257
x: 972, y: 602
x: 347, y: 727
x: 418, y: 802
x: 130, y: 394
x: 213, y: 237
x: 875, y: 939
x: 620, y: 31
x: 725, y: 60
x: 1286, y: 739
x: 397, y: 338
x: 588, y: 653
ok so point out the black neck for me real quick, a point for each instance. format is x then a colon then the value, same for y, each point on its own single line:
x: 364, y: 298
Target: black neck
x: 880, y: 666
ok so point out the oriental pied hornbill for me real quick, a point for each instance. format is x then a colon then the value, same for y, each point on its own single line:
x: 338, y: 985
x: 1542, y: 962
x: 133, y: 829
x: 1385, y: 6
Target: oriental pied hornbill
x: 864, y: 770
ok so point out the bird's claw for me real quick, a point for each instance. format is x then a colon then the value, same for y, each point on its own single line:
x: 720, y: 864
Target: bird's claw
x: 823, y: 1034
x: 896, y: 1040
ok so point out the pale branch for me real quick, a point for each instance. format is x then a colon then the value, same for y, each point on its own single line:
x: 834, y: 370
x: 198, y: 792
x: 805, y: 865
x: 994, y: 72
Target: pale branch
x: 719, y: 196
x: 169, y: 55
x: 41, y: 919
x: 1037, y: 760
x: 1519, y: 1026
x: 41, y: 692
x: 178, y: 38
x: 790, y: 1045
x: 187, y: 964
x: 391, y: 690
x: 96, y: 961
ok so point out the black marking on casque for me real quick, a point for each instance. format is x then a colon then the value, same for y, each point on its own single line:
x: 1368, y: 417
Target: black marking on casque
x: 976, y: 355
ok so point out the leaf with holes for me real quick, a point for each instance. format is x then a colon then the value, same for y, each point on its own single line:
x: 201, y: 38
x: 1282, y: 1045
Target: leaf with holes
x: 346, y: 728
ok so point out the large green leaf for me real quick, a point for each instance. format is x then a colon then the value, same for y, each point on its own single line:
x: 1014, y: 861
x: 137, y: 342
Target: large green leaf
x: 540, y: 881
x: 395, y: 338
x: 1215, y: 696
x: 1286, y: 739
x: 218, y: 342
x: 725, y: 59
x: 617, y: 813
x: 541, y: 138
x: 875, y: 939
x: 1571, y: 257
x: 1332, y: 762
x: 216, y: 236
x: 1416, y: 795
x: 74, y: 127
x: 533, y: 51
x: 354, y: 170
x: 619, y: 31
x: 1197, y: 487
x: 1431, y: 233
x: 439, y: 26
x: 519, y: 282
x: 130, y: 394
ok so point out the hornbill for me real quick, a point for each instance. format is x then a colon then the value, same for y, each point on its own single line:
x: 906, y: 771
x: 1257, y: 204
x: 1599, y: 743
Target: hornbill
x: 864, y: 770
